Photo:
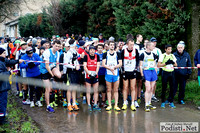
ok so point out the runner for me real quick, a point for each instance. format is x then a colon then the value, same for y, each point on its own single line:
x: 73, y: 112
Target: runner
x: 112, y: 61
x: 19, y: 54
x: 64, y: 75
x: 148, y: 73
x: 158, y: 53
x: 138, y: 84
x: 13, y: 53
x: 91, y: 65
x: 50, y: 69
x: 71, y: 68
x: 130, y: 61
x: 101, y: 75
x: 168, y: 61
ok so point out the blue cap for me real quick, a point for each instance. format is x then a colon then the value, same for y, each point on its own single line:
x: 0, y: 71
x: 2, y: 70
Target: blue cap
x: 81, y: 43
x: 91, y: 47
x: 153, y: 39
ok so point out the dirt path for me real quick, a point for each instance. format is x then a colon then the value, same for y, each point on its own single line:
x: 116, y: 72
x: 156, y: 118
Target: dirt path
x: 102, y: 122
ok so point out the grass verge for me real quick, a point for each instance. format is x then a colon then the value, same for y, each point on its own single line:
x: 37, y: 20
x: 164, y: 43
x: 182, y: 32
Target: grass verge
x: 192, y: 91
x: 18, y: 120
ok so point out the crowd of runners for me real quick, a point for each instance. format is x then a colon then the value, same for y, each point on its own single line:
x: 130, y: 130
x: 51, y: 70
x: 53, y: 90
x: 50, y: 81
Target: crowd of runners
x: 127, y: 69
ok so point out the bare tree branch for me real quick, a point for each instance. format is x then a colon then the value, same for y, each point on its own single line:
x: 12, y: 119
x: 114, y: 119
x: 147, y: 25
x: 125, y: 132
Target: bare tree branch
x: 7, y: 8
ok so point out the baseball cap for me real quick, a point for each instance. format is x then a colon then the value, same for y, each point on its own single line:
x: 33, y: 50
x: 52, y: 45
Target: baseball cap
x: 17, y: 41
x: 91, y: 47
x: 153, y: 39
x: 81, y: 43
x: 23, y: 43
x: 67, y: 44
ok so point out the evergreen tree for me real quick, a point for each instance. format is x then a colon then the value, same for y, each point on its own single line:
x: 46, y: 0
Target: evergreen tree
x: 74, y: 16
x: 162, y: 19
x: 35, y: 25
x: 101, y: 18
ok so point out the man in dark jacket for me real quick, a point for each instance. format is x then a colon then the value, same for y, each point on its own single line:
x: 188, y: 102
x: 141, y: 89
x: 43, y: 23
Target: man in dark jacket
x: 4, y: 85
x: 181, y: 75
x: 197, y: 63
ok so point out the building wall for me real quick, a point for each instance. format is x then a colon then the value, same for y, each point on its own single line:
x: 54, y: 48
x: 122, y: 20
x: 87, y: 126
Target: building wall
x: 10, y: 26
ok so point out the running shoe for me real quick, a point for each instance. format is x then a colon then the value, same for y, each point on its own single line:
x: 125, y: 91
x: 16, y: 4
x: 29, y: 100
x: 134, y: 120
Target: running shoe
x: 182, y: 102
x: 136, y: 104
x: 55, y: 104
x: 147, y: 109
x: 17, y: 93
x: 104, y: 106
x: 89, y: 108
x: 70, y: 108
x: 139, y: 100
x: 75, y: 107
x: 51, y: 104
x: 20, y: 94
x: 152, y: 107
x: 162, y: 105
x: 154, y: 99
x: 41, y: 99
x: 167, y: 102
x: 64, y: 104
x: 50, y: 109
x: 172, y: 105
x: 116, y: 108
x: 39, y: 104
x: 109, y: 108
x: 112, y: 102
x: 124, y: 107
x: 77, y: 102
x: 32, y: 104
x: 96, y: 107
x: 133, y: 107
x: 27, y: 102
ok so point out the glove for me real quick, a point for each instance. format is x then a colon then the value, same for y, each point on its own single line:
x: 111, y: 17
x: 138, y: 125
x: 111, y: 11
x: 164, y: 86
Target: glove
x: 74, y: 57
x: 172, y: 62
x: 143, y: 79
x: 168, y: 62
x: 31, y: 64
x: 92, y: 77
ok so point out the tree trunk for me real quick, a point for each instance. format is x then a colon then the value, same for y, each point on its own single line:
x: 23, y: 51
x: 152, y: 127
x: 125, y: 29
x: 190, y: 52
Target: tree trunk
x: 193, y: 32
